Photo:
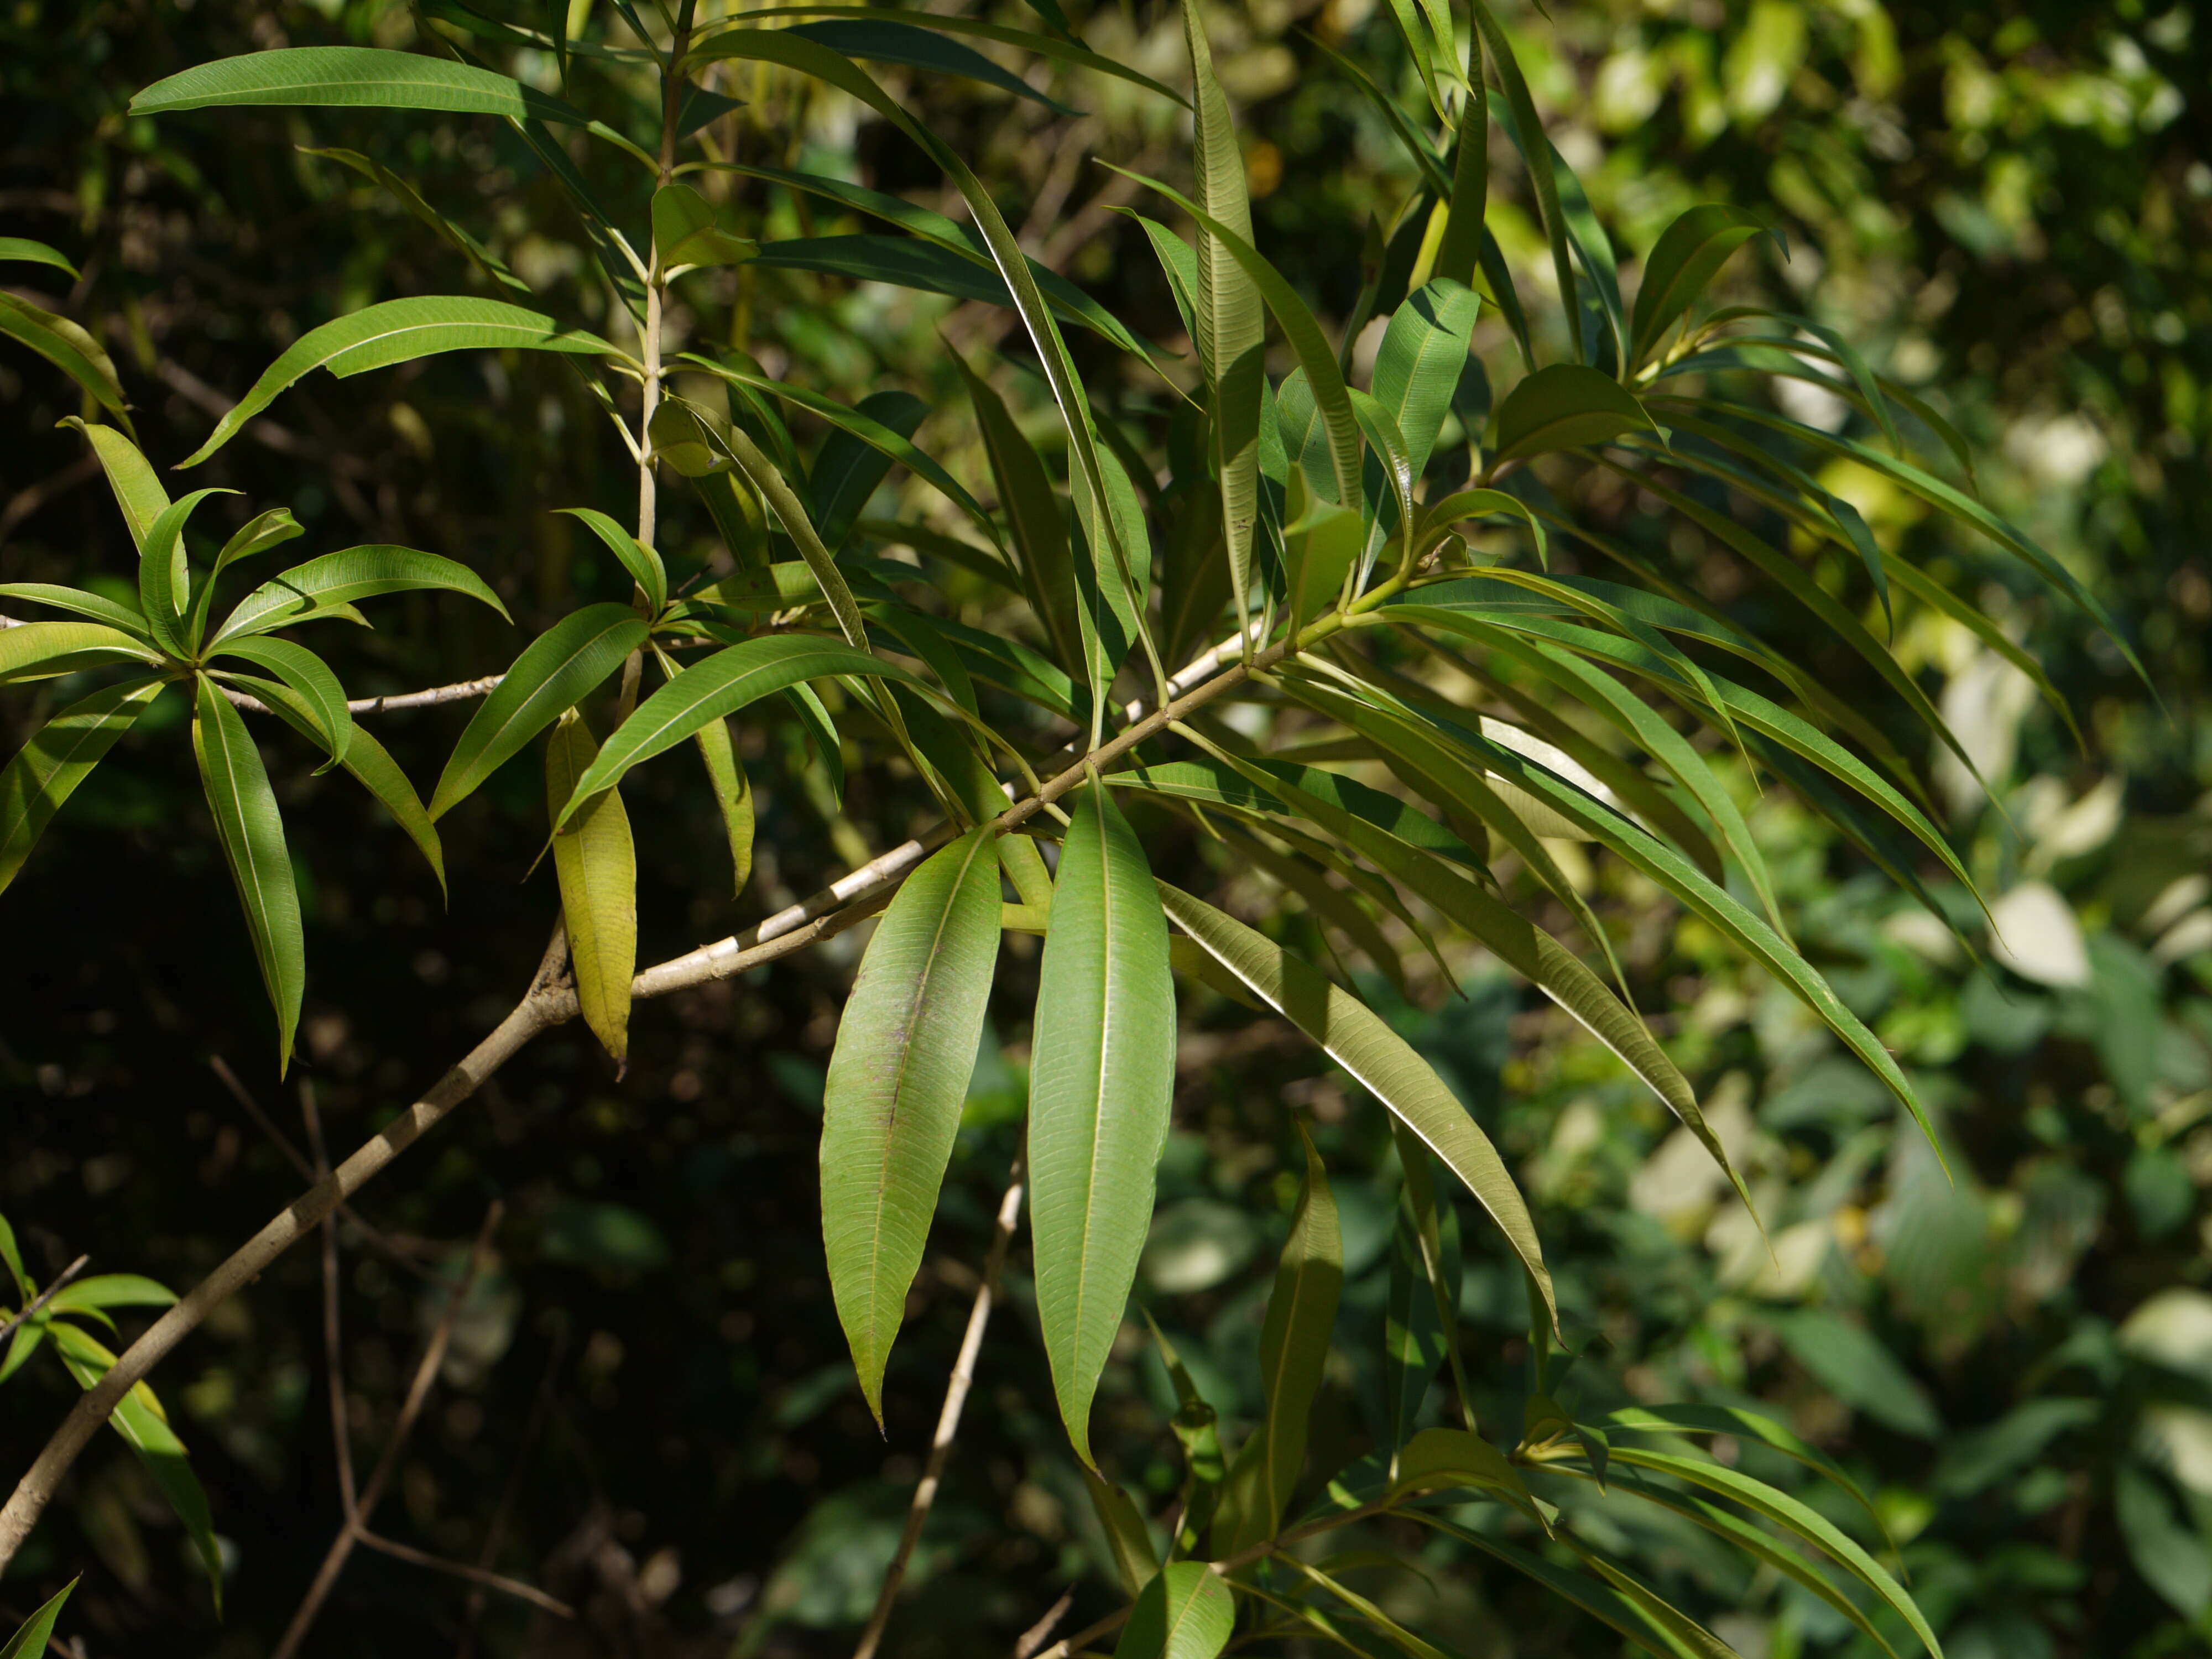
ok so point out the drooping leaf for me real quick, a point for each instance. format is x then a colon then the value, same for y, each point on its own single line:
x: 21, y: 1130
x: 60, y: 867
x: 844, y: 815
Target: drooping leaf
x: 906, y: 1048
x: 1293, y: 1352
x: 734, y: 798
x: 252, y: 834
x: 1357, y: 1038
x: 885, y: 42
x: 556, y: 670
x: 44, y: 771
x: 1186, y: 1612
x: 351, y: 76
x: 398, y: 331
x: 143, y: 1423
x: 68, y: 348
x: 719, y: 686
x: 1038, y: 528
x: 368, y: 762
x: 596, y: 863
x: 22, y: 250
x: 309, y: 676
x: 1101, y: 1074
x: 642, y: 563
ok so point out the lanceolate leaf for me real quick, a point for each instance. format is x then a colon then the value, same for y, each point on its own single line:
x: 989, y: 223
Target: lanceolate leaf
x: 597, y: 866
x: 311, y: 677
x: 398, y: 331
x: 718, y: 686
x: 887, y: 42
x: 1565, y: 406
x: 1293, y: 1351
x: 1185, y: 1613
x: 22, y: 250
x: 140, y: 1420
x: 1688, y: 255
x: 555, y: 672
x: 366, y: 759
x: 30, y: 1639
x: 78, y: 601
x: 44, y: 772
x: 1381, y: 1061
x: 251, y: 835
x: 319, y: 588
x: 42, y: 650
x: 68, y: 348
x: 1226, y: 308
x: 165, y: 574
x: 137, y: 489
x: 1417, y: 366
x: 351, y: 76
x: 1034, y: 518
x: 1101, y: 1075
x: 898, y: 1077
x: 643, y: 563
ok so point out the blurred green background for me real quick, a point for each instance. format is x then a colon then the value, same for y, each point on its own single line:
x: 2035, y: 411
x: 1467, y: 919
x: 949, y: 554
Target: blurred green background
x: 2008, y: 205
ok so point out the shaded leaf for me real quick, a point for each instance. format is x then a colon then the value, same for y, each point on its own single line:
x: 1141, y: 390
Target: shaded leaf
x: 47, y: 771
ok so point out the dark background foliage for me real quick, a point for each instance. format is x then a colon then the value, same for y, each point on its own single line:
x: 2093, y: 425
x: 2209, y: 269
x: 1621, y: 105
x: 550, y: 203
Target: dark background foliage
x: 2010, y: 203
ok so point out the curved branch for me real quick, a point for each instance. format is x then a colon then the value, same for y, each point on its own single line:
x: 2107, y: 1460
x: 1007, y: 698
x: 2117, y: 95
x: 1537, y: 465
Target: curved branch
x: 460, y: 692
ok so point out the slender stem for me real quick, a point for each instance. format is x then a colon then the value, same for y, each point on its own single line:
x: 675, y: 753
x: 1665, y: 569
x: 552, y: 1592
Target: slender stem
x: 46, y: 1295
x: 333, y: 1341
x: 355, y: 1528
x: 478, y: 1576
x: 430, y: 698
x: 948, y: 1419
x: 548, y: 1004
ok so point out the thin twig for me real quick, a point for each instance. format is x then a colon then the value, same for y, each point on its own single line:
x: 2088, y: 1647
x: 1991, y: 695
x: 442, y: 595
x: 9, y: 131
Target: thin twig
x: 495, y: 1538
x: 333, y: 1343
x: 1041, y: 1633
x: 548, y: 1004
x: 45, y: 1296
x: 358, y: 1517
x: 461, y: 691
x: 383, y: 1241
x: 948, y: 1419
x: 476, y: 1576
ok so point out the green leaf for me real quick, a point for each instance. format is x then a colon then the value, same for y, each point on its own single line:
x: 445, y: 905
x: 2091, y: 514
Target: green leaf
x: 1421, y: 1318
x: 848, y: 468
x: 1418, y: 366
x: 252, y: 834
x: 1601, y: 1602
x: 29, y: 1641
x: 887, y: 42
x: 932, y: 269
x: 408, y: 197
x: 43, y: 650
x: 1525, y: 122
x: 1226, y: 306
x: 556, y: 670
x: 1565, y: 406
x: 597, y: 866
x: 44, y: 773
x: 112, y: 1291
x: 1460, y: 251
x: 352, y: 77
x: 398, y: 332
x: 22, y: 250
x: 2169, y: 1553
x: 68, y: 348
x: 1062, y: 51
x: 1129, y: 1540
x: 734, y: 798
x: 687, y: 231
x: 137, y: 489
x: 719, y: 686
x: 1186, y: 1612
x: 898, y: 1077
x: 1034, y: 518
x: 1858, y: 1370
x: 1378, y: 1058
x: 1323, y: 375
x: 643, y: 564
x: 1787, y: 1512
x: 367, y: 760
x: 1102, y: 1074
x: 1293, y: 1353
x: 1440, y: 1459
x: 1687, y: 256
x: 165, y: 575
x: 142, y: 1422
x: 258, y: 535
x: 309, y: 676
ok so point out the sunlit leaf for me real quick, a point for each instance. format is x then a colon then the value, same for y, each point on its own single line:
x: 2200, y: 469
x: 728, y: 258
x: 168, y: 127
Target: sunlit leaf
x: 351, y: 76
